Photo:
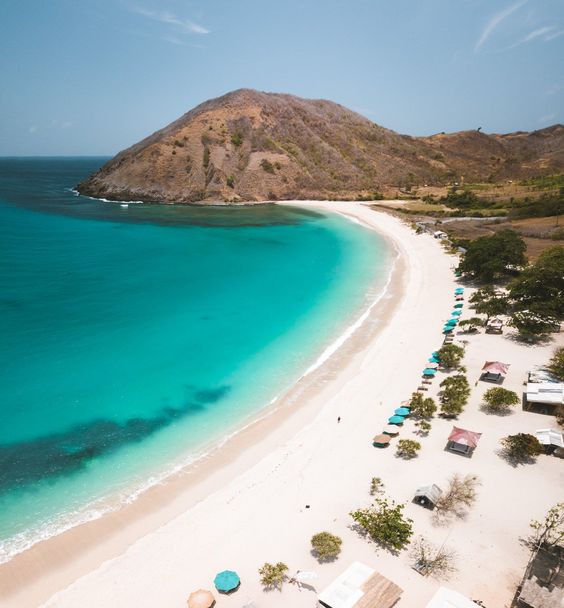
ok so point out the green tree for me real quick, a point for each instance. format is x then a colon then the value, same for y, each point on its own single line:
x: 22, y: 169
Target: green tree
x: 450, y: 355
x: 376, y: 486
x: 556, y: 364
x: 550, y: 531
x: 273, y: 575
x: 490, y: 302
x: 422, y: 407
x: 521, y: 447
x: 385, y: 523
x: 472, y: 324
x: 454, y: 395
x: 326, y: 546
x: 237, y: 139
x: 488, y: 257
x: 408, y: 448
x: 231, y: 181
x: 540, y: 287
x: 500, y: 399
x: 424, y: 427
x: 532, y: 325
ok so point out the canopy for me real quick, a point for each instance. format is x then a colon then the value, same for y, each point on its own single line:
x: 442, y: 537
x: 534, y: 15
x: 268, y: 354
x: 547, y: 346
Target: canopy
x: 456, y: 313
x: 459, y: 305
x: 495, y: 367
x: 402, y: 411
x: 429, y: 371
x: 396, y: 419
x: 226, y: 581
x: 433, y: 359
x: 550, y: 437
x: 381, y: 439
x: 391, y: 429
x: 464, y: 437
x: 433, y: 365
x: 201, y: 599
x: 428, y: 494
x: 445, y: 598
x: 452, y: 321
x: 459, y: 290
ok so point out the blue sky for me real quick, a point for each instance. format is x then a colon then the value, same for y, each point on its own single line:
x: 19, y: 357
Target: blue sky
x: 94, y: 76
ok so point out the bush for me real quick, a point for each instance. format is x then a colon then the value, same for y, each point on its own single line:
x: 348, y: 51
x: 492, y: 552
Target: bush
x: 432, y: 561
x: 326, y: 546
x: 273, y: 575
x: 408, y: 448
x: 424, y: 427
x: 206, y: 159
x: 450, y: 355
x: 231, y: 181
x: 267, y: 165
x: 550, y: 531
x: 459, y: 496
x: 500, y: 399
x: 556, y: 364
x: 471, y: 324
x: 521, y: 448
x: 376, y: 486
x: 384, y: 523
x: 237, y: 139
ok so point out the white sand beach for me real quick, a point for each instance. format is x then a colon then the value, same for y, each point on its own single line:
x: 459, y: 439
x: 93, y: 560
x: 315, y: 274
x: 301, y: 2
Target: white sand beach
x: 254, y: 507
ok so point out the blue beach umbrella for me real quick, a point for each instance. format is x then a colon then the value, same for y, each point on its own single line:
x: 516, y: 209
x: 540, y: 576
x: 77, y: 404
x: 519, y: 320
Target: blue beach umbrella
x: 395, y: 420
x: 456, y: 313
x: 435, y: 353
x: 226, y: 581
x: 451, y: 322
x: 402, y: 411
x: 459, y: 305
x: 433, y: 360
x: 428, y: 371
x: 459, y: 290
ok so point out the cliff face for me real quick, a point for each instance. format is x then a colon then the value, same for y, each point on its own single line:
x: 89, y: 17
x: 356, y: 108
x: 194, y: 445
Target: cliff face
x: 252, y: 146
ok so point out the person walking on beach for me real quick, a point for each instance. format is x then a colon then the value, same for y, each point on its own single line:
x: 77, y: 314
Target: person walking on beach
x: 338, y: 419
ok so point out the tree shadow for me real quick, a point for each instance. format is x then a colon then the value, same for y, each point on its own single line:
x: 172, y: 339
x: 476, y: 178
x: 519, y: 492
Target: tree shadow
x: 492, y: 411
x: 515, y: 461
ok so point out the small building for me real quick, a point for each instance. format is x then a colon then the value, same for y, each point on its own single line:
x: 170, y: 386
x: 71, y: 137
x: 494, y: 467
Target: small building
x: 446, y: 598
x: 463, y: 441
x: 427, y: 496
x: 544, y: 397
x: 494, y: 371
x: 360, y: 586
x: 543, y: 583
x: 439, y: 234
x: 551, y: 440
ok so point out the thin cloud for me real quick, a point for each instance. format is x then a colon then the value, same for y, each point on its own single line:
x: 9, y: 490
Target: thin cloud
x: 554, y: 35
x: 538, y: 33
x: 492, y: 24
x: 184, y: 26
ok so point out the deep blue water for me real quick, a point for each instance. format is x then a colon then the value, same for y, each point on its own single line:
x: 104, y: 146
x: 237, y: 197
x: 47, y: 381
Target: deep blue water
x: 132, y: 336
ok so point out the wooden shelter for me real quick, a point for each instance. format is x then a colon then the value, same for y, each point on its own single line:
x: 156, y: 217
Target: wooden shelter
x: 463, y: 441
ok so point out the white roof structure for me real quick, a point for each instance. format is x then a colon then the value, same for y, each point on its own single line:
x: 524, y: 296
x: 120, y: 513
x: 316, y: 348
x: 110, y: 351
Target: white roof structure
x: 550, y: 437
x: 446, y: 598
x: 545, y: 392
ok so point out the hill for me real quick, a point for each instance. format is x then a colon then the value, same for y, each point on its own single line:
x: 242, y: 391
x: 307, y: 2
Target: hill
x: 252, y: 146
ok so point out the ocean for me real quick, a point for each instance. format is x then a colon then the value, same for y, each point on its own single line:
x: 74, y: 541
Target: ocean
x: 133, y: 338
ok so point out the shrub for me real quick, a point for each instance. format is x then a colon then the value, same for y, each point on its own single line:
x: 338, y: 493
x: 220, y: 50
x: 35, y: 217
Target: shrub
x: 237, y: 139
x: 471, y: 324
x: 550, y: 531
x: 521, y: 448
x: 326, y: 546
x: 376, y: 486
x: 384, y: 523
x: 267, y: 165
x: 500, y: 399
x: 231, y: 181
x: 423, y: 426
x: 450, y: 355
x: 206, y: 159
x: 273, y: 575
x: 178, y: 143
x: 556, y: 364
x: 459, y: 496
x: 408, y: 448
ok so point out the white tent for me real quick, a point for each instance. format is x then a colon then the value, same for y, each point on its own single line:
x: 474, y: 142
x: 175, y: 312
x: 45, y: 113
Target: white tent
x: 550, y: 437
x: 446, y: 598
x: 545, y: 392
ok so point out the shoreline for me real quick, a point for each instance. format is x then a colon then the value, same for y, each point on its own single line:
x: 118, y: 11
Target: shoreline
x: 168, y: 497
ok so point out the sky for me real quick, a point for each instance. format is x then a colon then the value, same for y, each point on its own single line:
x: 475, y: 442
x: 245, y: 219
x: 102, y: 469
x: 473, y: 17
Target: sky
x: 91, y: 77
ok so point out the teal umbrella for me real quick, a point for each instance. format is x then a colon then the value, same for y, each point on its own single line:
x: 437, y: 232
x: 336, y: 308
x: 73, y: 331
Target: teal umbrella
x: 459, y: 290
x: 456, y: 313
x: 226, y: 581
x: 451, y: 322
x: 428, y: 371
x: 459, y: 305
x: 433, y: 360
x: 402, y: 411
x: 395, y: 420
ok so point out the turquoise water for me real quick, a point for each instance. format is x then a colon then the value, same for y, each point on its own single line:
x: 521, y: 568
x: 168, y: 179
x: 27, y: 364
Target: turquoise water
x: 130, y: 337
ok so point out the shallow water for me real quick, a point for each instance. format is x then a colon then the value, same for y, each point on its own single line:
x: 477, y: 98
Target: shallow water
x: 132, y: 336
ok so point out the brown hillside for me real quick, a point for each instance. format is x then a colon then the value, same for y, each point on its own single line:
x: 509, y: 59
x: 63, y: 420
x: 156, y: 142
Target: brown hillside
x: 252, y: 146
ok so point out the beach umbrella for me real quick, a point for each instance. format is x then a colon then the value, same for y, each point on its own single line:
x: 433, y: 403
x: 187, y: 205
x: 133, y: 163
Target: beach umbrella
x: 391, y: 429
x: 435, y: 353
x: 459, y: 290
x: 395, y: 420
x: 402, y: 411
x: 456, y: 313
x: 381, y: 440
x: 433, y: 365
x: 459, y: 305
x: 226, y: 581
x: 429, y: 372
x: 433, y: 360
x: 201, y: 599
